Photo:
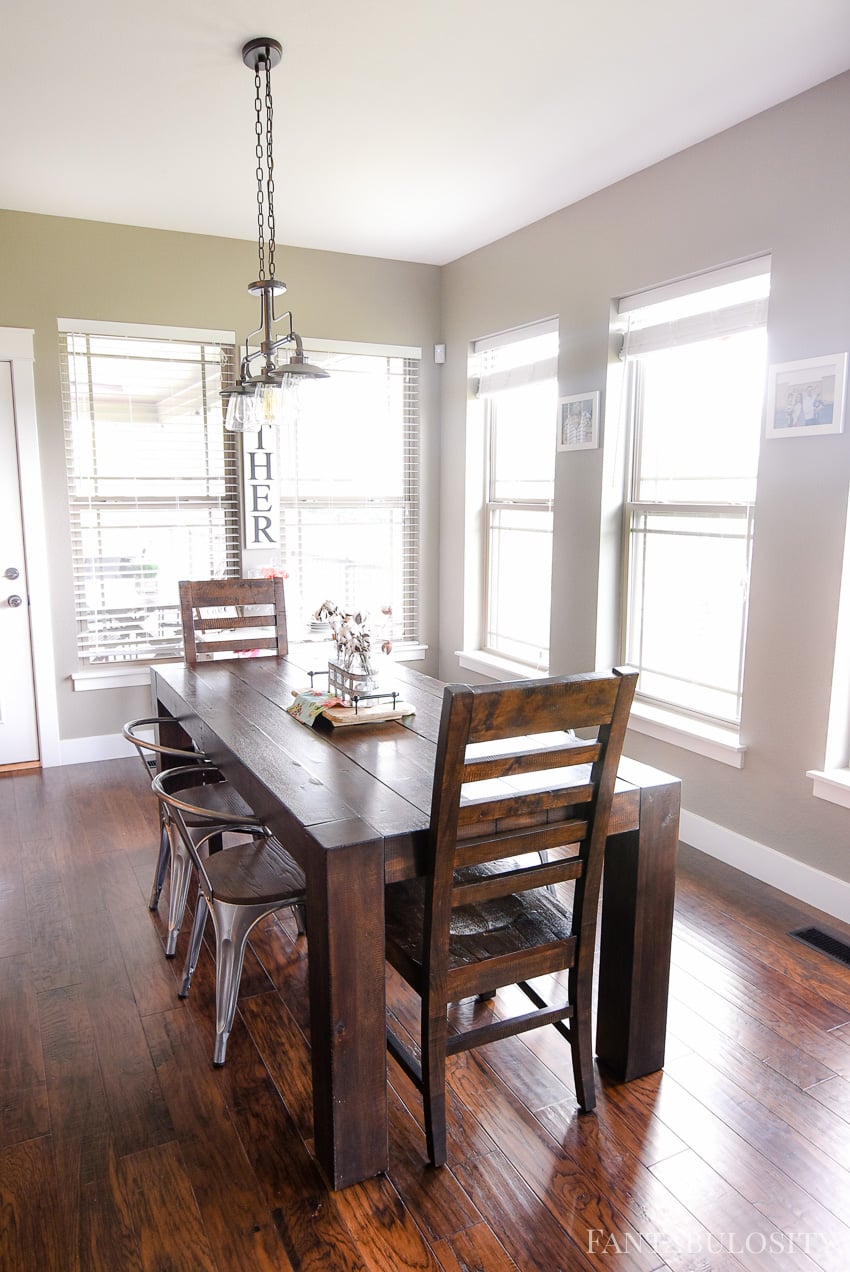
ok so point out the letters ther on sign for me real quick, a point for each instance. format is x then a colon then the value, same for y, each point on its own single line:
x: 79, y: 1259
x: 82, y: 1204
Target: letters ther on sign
x: 261, y: 500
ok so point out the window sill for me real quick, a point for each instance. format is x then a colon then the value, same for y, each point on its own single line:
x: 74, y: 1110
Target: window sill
x: 123, y: 677
x: 712, y: 740
x: 831, y: 784
x: 409, y: 653
x: 496, y: 666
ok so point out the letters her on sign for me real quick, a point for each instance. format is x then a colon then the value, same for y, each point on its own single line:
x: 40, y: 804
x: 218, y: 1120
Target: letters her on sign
x: 260, y: 482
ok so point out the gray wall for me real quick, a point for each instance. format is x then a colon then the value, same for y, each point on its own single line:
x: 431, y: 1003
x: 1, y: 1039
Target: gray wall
x: 53, y: 267
x: 779, y: 183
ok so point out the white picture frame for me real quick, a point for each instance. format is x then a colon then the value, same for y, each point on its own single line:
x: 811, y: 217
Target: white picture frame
x: 578, y: 421
x: 806, y: 398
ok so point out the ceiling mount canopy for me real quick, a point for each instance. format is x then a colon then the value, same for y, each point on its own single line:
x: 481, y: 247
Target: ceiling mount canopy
x: 273, y: 366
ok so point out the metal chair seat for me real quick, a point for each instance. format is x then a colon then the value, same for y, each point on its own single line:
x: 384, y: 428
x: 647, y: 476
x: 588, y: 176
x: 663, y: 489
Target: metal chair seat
x: 217, y: 800
x: 238, y: 886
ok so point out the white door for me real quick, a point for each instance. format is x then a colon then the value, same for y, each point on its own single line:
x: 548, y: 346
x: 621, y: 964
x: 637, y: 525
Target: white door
x: 18, y: 730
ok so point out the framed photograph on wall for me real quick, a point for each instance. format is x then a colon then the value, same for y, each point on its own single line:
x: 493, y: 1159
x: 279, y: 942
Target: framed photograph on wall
x: 806, y: 398
x: 578, y: 421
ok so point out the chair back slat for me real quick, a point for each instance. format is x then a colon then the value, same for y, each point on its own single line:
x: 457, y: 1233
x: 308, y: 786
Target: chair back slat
x: 256, y: 605
x: 516, y: 842
x: 236, y: 645
x: 233, y: 622
x: 518, y: 880
x: 531, y: 758
x: 540, y: 706
x: 519, y: 803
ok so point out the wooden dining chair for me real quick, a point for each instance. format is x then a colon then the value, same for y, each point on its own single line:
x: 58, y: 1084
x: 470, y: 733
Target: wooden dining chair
x: 238, y: 886
x: 225, y: 617
x: 215, y: 800
x: 509, y: 782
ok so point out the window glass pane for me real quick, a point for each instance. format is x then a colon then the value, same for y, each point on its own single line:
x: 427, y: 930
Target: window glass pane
x: 132, y: 560
x: 700, y: 421
x: 522, y: 439
x: 520, y: 583
x: 517, y: 378
x: 688, y: 605
x: 353, y: 556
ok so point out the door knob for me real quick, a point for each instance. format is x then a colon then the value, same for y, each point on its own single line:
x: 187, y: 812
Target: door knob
x: 15, y: 601
x: 12, y: 573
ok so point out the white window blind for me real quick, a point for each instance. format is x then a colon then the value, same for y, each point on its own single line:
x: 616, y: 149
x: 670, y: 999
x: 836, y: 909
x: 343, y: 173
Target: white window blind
x: 349, y: 462
x: 512, y: 359
x: 723, y: 303
x: 152, y: 481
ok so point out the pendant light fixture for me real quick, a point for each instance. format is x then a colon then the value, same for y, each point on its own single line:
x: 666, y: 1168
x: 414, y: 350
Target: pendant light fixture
x: 272, y: 367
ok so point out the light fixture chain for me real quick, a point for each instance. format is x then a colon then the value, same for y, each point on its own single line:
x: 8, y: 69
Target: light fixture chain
x: 258, y: 128
x: 266, y: 373
x: 270, y: 166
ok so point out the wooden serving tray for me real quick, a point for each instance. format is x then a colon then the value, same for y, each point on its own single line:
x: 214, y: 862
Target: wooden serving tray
x: 380, y: 713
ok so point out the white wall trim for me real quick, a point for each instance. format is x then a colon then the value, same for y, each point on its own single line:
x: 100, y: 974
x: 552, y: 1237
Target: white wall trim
x: 812, y: 886
x: 106, y: 746
x: 16, y: 346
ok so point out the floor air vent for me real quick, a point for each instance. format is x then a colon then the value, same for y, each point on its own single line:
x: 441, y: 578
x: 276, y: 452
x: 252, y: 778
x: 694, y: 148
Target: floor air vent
x: 822, y: 941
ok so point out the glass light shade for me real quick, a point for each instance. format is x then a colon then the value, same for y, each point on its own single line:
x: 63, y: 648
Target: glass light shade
x: 242, y: 414
x: 270, y: 400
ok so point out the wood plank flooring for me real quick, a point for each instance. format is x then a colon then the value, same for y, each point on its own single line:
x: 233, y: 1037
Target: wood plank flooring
x: 122, y: 1148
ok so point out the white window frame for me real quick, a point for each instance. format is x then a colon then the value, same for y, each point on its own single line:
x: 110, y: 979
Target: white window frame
x: 832, y: 781
x: 718, y: 739
x: 487, y: 386
x: 119, y: 667
x: 406, y: 617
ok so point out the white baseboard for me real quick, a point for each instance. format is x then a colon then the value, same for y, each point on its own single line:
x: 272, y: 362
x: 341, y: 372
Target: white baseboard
x: 815, y: 887
x: 107, y: 746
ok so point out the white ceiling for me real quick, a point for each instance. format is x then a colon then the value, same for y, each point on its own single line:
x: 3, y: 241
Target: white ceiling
x: 410, y: 129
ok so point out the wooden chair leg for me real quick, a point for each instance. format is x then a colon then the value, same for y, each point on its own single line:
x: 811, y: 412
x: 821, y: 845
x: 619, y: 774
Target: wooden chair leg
x: 434, y: 1087
x: 581, y: 1045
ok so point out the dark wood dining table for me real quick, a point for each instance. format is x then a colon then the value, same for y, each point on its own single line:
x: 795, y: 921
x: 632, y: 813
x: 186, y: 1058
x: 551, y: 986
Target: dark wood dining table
x: 352, y: 806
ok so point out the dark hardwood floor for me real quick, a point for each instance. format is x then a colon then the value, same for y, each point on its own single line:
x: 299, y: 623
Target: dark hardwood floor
x: 122, y: 1148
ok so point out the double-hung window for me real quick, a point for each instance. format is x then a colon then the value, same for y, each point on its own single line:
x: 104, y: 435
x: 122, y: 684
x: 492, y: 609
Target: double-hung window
x: 349, y: 481
x: 696, y: 364
x: 152, y: 480
x: 517, y: 378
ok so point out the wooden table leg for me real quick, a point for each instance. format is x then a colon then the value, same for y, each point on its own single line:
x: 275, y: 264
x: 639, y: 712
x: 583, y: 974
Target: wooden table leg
x: 345, y: 936
x: 638, y: 891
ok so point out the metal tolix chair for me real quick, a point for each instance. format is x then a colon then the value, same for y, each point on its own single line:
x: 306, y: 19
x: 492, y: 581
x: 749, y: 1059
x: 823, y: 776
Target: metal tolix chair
x: 238, y: 886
